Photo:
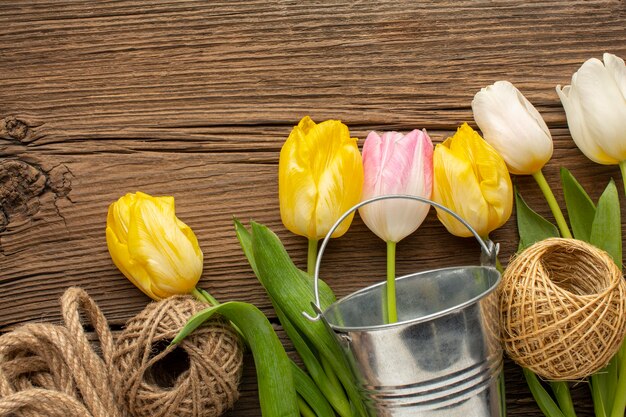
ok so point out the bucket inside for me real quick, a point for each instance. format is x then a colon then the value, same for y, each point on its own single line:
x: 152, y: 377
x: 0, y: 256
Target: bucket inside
x: 419, y: 297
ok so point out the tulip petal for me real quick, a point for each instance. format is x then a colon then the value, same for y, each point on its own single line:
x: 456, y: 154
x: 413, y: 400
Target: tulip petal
x: 118, y: 215
x: 133, y: 271
x: 578, y: 129
x: 320, y: 177
x: 582, y: 135
x: 456, y: 188
x: 162, y: 248
x: 154, y: 249
x: 603, y: 107
x: 617, y: 69
x: 396, y: 164
x: 512, y: 125
x: 471, y: 179
x: 336, y: 193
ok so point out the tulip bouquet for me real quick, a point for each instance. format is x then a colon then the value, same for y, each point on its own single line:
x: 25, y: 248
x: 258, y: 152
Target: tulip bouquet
x: 322, y: 174
x: 320, y: 170
x: 595, y: 104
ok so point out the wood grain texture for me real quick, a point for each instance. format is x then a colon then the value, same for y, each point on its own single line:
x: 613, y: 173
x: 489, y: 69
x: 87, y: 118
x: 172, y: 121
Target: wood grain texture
x: 194, y: 99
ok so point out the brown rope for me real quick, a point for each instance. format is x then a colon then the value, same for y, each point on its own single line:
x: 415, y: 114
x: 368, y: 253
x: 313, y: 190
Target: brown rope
x: 203, y: 388
x: 562, y: 309
x: 52, y: 370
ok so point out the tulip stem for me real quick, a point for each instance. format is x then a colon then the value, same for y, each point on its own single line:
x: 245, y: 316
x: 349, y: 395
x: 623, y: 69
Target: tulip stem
x: 554, y: 205
x: 202, y: 295
x: 303, y: 407
x: 622, y: 168
x: 311, y: 257
x: 619, y: 401
x: 392, y: 313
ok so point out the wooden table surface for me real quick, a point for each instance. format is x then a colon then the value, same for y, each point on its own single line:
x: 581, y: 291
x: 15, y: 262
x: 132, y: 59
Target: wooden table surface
x: 194, y: 99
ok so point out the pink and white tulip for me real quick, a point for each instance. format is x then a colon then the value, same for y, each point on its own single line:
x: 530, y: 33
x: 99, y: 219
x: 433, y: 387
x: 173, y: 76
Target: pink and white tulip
x: 396, y: 164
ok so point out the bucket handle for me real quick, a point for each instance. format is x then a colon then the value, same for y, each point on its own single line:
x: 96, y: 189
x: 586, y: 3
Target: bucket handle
x: 488, y: 254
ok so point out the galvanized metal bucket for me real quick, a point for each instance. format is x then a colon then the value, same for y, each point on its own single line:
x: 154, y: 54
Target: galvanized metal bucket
x: 443, y: 356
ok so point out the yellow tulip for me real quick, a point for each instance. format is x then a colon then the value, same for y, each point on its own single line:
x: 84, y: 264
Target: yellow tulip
x: 471, y: 178
x: 320, y: 177
x: 152, y: 247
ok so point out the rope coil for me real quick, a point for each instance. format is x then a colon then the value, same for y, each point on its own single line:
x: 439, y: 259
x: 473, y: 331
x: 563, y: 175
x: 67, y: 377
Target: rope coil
x: 562, y: 309
x: 52, y: 370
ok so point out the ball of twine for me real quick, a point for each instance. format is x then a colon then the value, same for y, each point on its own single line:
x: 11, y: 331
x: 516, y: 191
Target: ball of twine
x: 197, y: 378
x: 562, y: 309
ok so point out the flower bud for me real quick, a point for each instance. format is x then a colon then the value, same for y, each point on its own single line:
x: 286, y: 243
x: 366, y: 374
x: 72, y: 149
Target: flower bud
x: 396, y: 164
x: 471, y: 179
x: 152, y: 247
x: 320, y: 176
x: 511, y: 124
x: 595, y: 105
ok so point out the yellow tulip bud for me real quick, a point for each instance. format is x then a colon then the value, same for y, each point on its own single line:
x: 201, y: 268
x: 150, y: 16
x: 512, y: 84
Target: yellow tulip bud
x: 320, y: 176
x: 152, y: 247
x: 472, y: 179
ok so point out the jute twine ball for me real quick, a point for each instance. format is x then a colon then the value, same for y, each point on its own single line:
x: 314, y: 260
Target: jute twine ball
x: 562, y: 309
x: 197, y: 378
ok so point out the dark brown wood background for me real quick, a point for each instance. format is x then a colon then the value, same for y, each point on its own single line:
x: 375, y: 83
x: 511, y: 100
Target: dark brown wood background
x: 194, y: 99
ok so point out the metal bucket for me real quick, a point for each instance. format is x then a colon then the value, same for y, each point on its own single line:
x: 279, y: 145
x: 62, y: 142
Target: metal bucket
x: 443, y: 357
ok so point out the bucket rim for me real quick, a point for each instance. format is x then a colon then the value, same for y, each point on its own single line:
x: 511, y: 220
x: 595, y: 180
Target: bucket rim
x: 428, y: 317
x: 489, y: 250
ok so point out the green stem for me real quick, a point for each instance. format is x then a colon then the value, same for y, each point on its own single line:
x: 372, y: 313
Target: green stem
x: 563, y: 397
x: 310, y: 393
x: 318, y: 371
x: 502, y: 391
x: 554, y: 205
x: 619, y: 402
x: 204, y: 297
x: 332, y: 378
x: 305, y: 410
x: 392, y: 312
x: 210, y: 299
x: 598, y: 395
x: 622, y: 168
x: 619, y: 398
x: 501, y: 386
x: 611, y: 379
x: 196, y: 292
x: 311, y: 257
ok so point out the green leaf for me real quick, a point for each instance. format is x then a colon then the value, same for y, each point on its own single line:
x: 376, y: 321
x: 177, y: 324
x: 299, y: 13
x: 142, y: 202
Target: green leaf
x: 306, y: 388
x: 277, y: 393
x: 580, y: 209
x: 327, y: 297
x: 245, y: 240
x: 598, y: 394
x: 292, y: 294
x: 305, y: 410
x: 563, y: 397
x: 335, y: 397
x: 530, y: 225
x: 606, y: 231
x: 541, y: 396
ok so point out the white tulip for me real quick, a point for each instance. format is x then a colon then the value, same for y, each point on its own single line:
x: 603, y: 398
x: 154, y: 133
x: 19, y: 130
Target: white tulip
x: 511, y: 124
x: 595, y: 105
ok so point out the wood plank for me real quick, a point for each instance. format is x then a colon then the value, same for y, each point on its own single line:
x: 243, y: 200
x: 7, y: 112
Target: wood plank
x: 125, y: 70
x: 194, y: 99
